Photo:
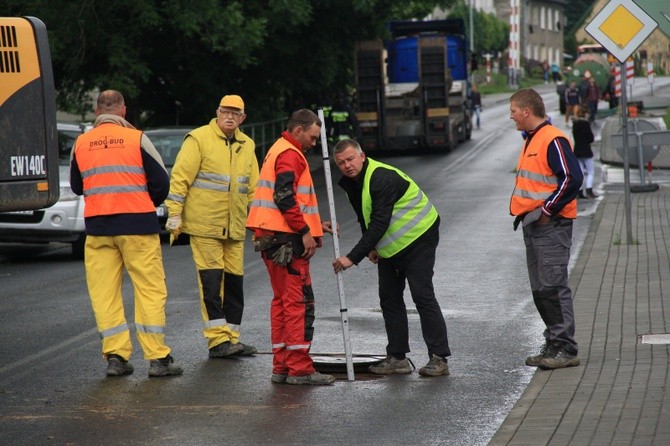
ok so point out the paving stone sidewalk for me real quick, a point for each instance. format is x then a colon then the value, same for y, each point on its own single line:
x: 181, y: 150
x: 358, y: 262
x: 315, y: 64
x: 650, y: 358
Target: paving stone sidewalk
x: 620, y: 394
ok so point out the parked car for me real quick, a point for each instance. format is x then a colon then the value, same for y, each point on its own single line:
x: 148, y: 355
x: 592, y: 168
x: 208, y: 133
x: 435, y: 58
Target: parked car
x: 62, y: 222
x: 168, y: 142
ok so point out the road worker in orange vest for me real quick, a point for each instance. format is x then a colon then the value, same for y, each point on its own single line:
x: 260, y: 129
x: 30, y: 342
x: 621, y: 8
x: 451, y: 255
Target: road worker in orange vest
x: 123, y: 179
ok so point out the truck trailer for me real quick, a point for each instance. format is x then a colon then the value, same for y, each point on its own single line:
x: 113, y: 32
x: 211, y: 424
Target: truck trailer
x: 412, y: 90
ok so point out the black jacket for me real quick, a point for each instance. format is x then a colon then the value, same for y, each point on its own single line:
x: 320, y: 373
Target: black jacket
x: 583, y: 136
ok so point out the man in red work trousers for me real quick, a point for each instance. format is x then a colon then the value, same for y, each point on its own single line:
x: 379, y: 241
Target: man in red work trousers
x: 287, y: 230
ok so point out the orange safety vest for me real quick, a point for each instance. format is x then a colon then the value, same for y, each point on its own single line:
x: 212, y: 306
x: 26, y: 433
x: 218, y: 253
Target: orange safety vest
x: 110, y: 161
x: 535, y: 181
x: 264, y: 213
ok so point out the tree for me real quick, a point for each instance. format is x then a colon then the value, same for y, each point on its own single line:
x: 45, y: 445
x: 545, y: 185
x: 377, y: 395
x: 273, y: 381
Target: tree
x: 491, y: 34
x: 178, y: 57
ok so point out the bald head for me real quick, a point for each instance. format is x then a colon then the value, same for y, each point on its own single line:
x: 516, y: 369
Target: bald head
x: 111, y: 102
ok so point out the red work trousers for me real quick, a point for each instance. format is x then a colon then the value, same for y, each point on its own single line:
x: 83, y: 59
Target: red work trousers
x: 291, y: 317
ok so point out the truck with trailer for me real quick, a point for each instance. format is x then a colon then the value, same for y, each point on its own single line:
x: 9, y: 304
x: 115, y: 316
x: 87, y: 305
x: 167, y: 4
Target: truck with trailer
x: 412, y: 90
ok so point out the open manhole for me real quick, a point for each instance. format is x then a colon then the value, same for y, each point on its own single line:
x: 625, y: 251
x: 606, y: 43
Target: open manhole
x: 337, y: 362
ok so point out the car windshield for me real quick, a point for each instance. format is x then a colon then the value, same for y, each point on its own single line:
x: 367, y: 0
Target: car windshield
x: 168, y: 145
x: 66, y: 139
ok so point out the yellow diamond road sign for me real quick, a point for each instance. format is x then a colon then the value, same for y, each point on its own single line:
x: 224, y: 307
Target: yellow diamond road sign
x: 621, y: 27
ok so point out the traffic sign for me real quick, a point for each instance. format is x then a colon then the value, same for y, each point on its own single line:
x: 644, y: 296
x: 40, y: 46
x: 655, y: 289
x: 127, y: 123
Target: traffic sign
x: 621, y: 27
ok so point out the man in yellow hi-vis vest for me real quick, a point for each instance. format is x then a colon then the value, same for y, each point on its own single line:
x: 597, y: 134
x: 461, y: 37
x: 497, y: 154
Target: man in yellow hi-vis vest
x: 400, y: 234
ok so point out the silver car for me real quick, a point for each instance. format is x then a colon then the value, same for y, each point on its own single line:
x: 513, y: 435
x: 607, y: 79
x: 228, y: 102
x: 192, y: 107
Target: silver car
x: 62, y: 222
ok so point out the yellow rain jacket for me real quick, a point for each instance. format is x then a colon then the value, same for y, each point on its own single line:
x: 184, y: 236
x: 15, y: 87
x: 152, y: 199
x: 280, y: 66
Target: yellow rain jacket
x: 212, y: 183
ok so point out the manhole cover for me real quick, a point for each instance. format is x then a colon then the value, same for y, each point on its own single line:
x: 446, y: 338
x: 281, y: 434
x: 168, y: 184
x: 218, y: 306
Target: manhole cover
x: 337, y: 363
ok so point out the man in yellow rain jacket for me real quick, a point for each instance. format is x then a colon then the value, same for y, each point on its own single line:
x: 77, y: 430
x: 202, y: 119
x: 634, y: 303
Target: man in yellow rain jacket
x: 212, y: 183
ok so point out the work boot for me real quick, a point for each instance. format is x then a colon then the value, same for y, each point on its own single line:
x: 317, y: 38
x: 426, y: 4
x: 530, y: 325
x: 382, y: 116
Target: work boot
x: 315, y: 379
x: 225, y: 349
x: 534, y: 361
x: 436, y: 366
x: 391, y: 365
x: 117, y: 366
x: 247, y: 350
x: 164, y: 367
x: 278, y: 378
x: 590, y: 193
x: 559, y: 359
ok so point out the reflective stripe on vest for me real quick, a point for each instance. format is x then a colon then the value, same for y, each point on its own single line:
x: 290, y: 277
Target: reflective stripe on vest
x: 264, y: 213
x: 110, y: 160
x: 535, y: 181
x: 413, y: 214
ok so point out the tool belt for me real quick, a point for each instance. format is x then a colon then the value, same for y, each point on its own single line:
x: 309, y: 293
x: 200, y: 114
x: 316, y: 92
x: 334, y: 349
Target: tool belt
x: 265, y: 242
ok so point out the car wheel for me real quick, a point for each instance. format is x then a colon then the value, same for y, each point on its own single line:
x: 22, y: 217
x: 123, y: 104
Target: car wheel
x: 78, y: 247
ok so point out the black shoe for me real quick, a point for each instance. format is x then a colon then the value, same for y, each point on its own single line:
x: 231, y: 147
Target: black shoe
x: 581, y: 195
x: 117, y: 366
x: 591, y: 194
x: 560, y: 359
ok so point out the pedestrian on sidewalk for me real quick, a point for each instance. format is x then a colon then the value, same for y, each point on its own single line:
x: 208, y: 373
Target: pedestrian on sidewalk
x: 400, y: 234
x: 571, y: 102
x: 212, y: 183
x: 583, y: 137
x: 476, y: 103
x: 547, y: 181
x: 592, y: 97
x: 287, y: 230
x: 122, y: 178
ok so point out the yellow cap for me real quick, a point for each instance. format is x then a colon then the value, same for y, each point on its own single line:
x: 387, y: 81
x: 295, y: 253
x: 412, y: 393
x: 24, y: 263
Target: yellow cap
x: 232, y: 100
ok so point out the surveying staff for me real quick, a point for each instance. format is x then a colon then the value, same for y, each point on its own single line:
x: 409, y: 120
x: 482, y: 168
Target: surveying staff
x: 400, y: 234
x: 287, y: 230
x: 122, y: 178
x: 213, y: 181
x: 547, y: 181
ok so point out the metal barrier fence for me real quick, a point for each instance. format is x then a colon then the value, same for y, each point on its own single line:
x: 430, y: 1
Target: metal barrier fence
x: 264, y: 134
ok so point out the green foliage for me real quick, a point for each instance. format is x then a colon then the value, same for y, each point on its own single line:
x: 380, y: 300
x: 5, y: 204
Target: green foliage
x: 490, y: 34
x: 175, y: 59
x: 576, y: 12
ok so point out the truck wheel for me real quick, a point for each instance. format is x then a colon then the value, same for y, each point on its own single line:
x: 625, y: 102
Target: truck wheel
x: 78, y: 247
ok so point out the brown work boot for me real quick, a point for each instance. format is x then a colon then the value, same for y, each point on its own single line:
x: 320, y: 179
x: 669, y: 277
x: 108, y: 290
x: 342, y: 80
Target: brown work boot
x: 391, y: 366
x: 225, y: 349
x: 315, y: 379
x: 164, y: 367
x: 436, y: 366
x: 560, y: 358
x: 117, y: 366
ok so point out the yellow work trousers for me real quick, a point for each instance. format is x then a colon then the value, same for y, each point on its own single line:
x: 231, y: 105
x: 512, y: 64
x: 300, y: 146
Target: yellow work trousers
x: 106, y: 257
x: 216, y: 261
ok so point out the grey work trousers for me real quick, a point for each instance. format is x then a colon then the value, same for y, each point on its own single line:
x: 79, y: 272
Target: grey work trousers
x: 547, y: 256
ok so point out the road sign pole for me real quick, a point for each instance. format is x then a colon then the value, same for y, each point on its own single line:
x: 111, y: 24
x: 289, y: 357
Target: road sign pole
x: 626, y: 170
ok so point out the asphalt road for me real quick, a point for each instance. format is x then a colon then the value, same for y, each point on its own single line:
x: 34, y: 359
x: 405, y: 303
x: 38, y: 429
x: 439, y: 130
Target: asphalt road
x: 52, y: 384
